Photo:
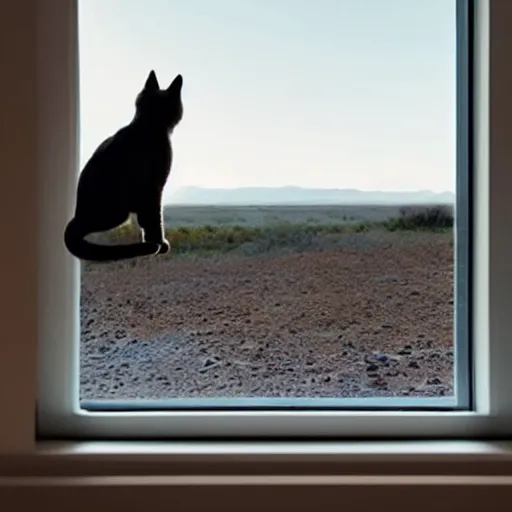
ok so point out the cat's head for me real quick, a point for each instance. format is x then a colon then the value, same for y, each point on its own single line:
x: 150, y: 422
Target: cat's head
x: 162, y: 107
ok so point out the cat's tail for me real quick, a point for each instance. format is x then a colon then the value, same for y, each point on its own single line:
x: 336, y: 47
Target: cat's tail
x: 74, y: 239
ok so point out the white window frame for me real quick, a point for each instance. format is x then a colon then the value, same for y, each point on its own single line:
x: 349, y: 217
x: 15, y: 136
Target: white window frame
x: 461, y: 474
x: 59, y: 412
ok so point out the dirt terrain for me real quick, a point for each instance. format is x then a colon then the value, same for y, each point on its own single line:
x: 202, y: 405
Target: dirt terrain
x: 370, y: 317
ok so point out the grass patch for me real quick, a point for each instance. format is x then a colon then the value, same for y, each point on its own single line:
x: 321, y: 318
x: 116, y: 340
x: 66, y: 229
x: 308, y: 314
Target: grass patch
x: 228, y: 238
x: 207, y: 238
x: 211, y: 238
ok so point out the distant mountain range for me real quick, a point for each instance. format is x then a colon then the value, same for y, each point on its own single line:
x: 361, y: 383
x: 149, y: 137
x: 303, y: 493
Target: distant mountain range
x: 299, y: 195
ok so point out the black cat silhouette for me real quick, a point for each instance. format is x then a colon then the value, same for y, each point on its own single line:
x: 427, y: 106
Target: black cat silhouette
x: 126, y: 174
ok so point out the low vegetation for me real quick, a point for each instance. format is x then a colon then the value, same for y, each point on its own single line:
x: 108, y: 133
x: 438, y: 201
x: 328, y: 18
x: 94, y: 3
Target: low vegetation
x: 431, y: 219
x: 204, y: 239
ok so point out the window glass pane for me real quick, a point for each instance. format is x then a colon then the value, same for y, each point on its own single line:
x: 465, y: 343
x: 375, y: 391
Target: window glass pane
x: 309, y: 207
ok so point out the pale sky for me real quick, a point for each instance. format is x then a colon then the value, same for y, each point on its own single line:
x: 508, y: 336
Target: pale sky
x: 314, y: 93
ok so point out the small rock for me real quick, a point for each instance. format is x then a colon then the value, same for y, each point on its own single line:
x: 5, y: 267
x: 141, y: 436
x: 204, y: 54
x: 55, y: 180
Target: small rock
x: 379, y: 383
x: 209, y: 362
x: 383, y: 358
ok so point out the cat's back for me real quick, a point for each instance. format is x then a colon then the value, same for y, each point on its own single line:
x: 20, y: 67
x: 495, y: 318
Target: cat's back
x: 132, y: 144
x: 119, y: 146
x: 112, y: 155
x: 108, y: 163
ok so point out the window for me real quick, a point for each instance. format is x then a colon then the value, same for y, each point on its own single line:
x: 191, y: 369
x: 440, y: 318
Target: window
x: 291, y: 281
x: 379, y: 413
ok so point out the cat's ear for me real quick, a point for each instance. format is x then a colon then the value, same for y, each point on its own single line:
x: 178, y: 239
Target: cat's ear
x: 176, y: 85
x: 151, y: 84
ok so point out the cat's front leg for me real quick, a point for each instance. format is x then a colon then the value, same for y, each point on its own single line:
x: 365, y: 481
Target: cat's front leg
x: 150, y: 219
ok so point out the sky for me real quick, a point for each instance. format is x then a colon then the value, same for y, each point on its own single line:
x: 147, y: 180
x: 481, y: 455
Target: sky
x: 313, y: 93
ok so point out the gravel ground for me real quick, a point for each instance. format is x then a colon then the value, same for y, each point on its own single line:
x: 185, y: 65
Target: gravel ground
x: 370, y: 317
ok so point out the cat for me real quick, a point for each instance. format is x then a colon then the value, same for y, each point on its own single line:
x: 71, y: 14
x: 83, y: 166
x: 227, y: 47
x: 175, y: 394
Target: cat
x: 126, y: 175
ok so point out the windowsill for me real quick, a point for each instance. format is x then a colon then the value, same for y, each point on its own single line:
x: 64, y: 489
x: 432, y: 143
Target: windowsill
x: 450, y: 458
x: 198, y: 476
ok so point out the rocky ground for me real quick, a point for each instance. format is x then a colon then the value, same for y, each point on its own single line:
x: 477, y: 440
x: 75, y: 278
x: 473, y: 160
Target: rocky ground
x: 371, y: 317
